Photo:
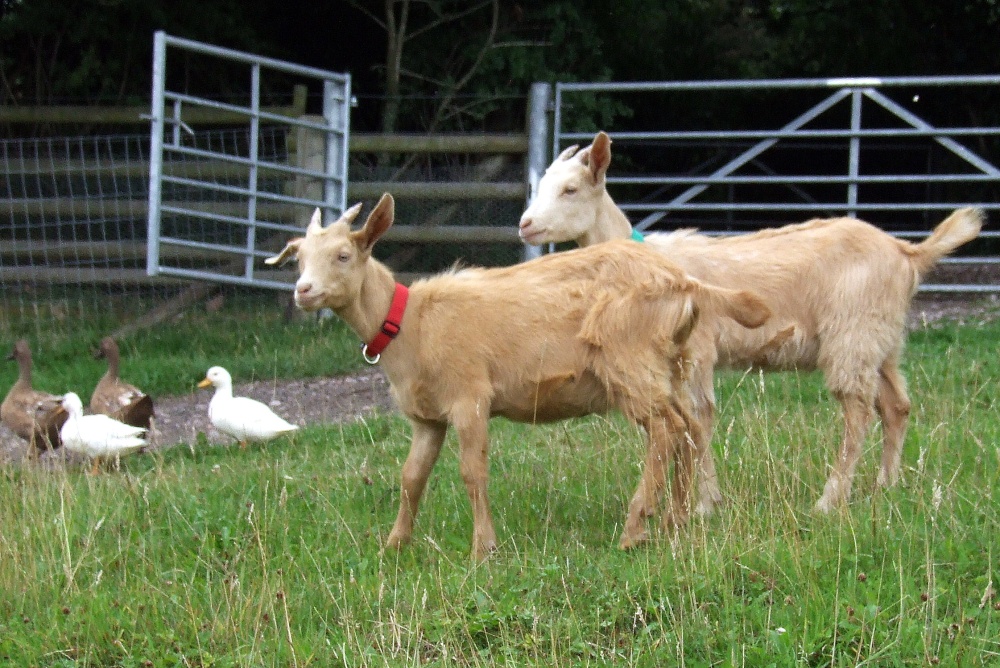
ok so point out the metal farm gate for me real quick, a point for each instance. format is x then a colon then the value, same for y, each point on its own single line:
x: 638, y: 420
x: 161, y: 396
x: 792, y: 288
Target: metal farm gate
x: 899, y: 152
x: 230, y: 197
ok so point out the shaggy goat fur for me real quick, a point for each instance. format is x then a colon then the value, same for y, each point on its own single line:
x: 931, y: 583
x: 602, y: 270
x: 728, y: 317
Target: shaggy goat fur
x: 563, y: 336
x: 839, y: 290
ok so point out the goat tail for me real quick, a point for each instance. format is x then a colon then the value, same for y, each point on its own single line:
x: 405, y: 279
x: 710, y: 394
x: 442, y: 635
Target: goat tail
x: 960, y: 227
x: 743, y: 306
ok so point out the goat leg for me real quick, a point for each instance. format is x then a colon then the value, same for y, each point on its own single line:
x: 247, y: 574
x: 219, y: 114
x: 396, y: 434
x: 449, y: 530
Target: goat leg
x: 663, y: 439
x: 893, y: 405
x: 857, y: 418
x: 425, y: 446
x: 471, y: 424
x: 703, y: 410
x: 687, y: 438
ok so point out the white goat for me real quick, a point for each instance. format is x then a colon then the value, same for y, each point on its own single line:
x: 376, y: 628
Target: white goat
x: 838, y: 289
x: 564, y: 336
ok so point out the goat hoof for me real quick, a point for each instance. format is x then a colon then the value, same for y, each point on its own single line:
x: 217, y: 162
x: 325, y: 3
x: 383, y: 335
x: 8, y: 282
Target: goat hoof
x: 887, y: 479
x: 396, y: 541
x: 630, y: 541
x: 706, y: 506
x: 825, y: 506
x: 484, y: 552
x: 673, y: 522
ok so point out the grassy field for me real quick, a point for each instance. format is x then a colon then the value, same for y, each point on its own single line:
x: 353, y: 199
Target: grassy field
x: 270, y: 556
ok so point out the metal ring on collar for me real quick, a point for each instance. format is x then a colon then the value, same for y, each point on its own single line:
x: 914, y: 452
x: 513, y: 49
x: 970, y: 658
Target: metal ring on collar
x: 369, y: 359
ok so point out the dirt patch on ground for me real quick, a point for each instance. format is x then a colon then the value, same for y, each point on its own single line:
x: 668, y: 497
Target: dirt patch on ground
x: 347, y: 398
x: 937, y: 309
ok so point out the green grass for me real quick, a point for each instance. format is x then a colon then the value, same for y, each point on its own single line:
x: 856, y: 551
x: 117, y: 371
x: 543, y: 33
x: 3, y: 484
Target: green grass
x: 249, y: 336
x: 214, y: 556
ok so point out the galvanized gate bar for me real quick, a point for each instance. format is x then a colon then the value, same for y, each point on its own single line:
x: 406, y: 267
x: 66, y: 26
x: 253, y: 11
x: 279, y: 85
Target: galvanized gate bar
x: 950, y: 144
x: 650, y: 196
x: 854, y: 157
x: 783, y: 84
x: 746, y: 156
x: 156, y: 152
x: 226, y: 214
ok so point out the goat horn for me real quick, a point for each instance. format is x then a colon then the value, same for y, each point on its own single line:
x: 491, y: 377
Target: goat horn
x: 351, y: 213
x: 315, y: 223
x: 569, y: 152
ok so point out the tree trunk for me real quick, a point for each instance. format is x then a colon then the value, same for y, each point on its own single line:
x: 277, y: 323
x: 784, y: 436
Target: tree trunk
x: 395, y: 38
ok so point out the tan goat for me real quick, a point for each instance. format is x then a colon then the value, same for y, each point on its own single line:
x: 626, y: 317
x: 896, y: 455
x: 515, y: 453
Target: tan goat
x: 838, y: 289
x: 563, y: 336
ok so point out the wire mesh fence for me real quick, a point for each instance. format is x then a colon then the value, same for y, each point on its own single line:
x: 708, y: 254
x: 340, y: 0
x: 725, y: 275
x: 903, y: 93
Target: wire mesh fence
x: 72, y: 225
x: 450, y: 208
x: 73, y: 221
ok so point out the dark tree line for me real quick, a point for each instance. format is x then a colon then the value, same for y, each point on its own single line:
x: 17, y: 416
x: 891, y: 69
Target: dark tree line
x: 467, y: 64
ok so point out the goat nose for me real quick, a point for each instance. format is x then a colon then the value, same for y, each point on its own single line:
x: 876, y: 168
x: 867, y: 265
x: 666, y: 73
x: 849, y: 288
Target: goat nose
x: 303, y: 288
x: 525, y: 223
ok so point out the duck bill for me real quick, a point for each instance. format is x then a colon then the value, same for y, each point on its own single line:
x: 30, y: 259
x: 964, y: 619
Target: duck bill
x: 205, y: 383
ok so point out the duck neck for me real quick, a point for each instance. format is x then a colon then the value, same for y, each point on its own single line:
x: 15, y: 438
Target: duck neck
x: 365, y: 314
x: 224, y: 391
x: 24, y: 370
x: 112, y: 355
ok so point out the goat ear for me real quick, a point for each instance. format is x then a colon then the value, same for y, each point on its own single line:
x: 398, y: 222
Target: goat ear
x: 569, y: 152
x: 291, y: 249
x: 599, y: 154
x: 379, y: 220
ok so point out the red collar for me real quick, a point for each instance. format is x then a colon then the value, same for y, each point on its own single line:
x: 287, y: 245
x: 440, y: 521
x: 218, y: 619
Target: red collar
x: 390, y: 326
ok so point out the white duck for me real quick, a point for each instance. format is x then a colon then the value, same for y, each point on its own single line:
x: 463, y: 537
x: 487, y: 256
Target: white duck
x: 97, y: 436
x: 240, y: 417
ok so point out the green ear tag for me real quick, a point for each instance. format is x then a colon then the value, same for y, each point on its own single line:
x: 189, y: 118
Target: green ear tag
x: 637, y: 236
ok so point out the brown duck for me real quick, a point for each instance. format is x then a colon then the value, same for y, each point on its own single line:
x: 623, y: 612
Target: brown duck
x: 34, y: 416
x: 116, y: 398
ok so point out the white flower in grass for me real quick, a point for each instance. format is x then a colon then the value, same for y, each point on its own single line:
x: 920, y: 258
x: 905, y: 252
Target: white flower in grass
x: 937, y: 496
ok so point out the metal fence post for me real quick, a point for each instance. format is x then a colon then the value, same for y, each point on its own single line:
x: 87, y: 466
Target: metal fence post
x: 156, y: 154
x: 538, y: 143
x: 854, y: 155
x: 336, y: 111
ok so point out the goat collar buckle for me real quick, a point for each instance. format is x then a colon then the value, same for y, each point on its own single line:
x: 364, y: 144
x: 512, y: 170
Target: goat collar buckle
x: 372, y: 351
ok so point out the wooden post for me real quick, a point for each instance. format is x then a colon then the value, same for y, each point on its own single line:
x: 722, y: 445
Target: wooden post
x: 310, y: 153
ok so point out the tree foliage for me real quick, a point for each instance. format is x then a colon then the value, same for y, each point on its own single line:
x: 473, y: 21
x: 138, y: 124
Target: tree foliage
x: 464, y: 64
x: 90, y: 51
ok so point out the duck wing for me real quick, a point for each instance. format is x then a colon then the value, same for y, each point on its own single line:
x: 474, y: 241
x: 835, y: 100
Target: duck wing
x: 35, y: 416
x: 138, y: 412
x: 102, y: 425
x: 122, y: 401
x: 242, y: 417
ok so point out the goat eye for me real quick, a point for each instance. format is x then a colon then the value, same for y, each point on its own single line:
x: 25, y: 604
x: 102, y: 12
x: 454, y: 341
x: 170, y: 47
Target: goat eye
x: 570, y: 190
x: 344, y: 257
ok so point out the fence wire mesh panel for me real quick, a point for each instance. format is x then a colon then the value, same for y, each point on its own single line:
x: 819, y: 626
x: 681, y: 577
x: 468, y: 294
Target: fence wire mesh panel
x: 730, y: 157
x: 456, y: 205
x: 73, y: 220
x: 232, y: 198
x: 72, y: 232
